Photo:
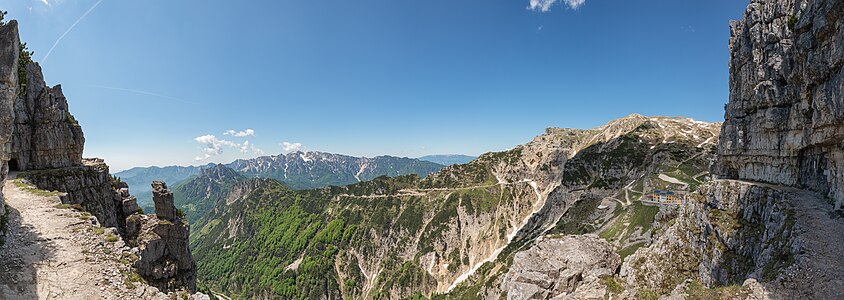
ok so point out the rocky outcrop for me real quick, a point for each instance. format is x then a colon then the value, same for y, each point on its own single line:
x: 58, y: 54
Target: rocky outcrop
x: 785, y: 118
x: 9, y: 44
x: 733, y: 231
x: 163, y: 199
x: 570, y: 267
x: 165, y: 258
x: 46, y: 134
x: 92, y: 187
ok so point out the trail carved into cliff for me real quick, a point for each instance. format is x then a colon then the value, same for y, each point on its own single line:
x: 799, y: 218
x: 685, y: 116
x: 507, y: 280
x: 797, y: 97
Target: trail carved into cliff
x: 52, y: 253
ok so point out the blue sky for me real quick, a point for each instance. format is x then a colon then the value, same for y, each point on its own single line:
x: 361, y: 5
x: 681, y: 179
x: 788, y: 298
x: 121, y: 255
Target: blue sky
x: 151, y: 81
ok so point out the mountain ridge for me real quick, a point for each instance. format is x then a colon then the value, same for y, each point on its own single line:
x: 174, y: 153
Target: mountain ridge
x: 442, y: 228
x: 307, y: 170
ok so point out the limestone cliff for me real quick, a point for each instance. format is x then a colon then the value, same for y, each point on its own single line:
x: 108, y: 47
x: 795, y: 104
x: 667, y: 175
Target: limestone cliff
x: 784, y: 126
x: 46, y: 134
x: 9, y: 44
x: 785, y: 118
x: 730, y: 232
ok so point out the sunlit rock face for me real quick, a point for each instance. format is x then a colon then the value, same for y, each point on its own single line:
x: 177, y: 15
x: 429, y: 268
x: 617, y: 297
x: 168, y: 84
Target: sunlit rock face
x: 46, y: 135
x: 785, y: 118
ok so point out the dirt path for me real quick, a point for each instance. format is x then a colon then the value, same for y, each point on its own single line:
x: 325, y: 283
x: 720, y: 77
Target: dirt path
x: 55, y: 253
x: 819, y: 272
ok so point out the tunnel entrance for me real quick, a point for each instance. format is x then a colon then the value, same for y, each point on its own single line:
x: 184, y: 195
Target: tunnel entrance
x: 13, y: 165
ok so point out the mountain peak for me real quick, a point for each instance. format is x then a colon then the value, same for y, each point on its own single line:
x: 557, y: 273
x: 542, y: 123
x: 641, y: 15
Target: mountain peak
x: 220, y: 173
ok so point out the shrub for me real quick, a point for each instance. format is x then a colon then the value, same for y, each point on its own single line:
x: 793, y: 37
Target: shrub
x: 24, y: 58
x: 792, y: 21
x: 111, y: 238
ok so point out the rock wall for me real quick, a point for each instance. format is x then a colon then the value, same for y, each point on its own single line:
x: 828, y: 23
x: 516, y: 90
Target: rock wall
x: 46, y: 134
x: 9, y: 44
x: 785, y: 118
x: 732, y: 232
x: 165, y: 258
x: 91, y: 186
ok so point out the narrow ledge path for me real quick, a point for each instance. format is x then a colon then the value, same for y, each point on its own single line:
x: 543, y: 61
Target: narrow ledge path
x: 54, y: 253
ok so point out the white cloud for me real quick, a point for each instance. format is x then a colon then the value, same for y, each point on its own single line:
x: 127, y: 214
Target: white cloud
x: 545, y: 5
x: 215, y: 146
x: 541, y: 5
x: 291, y: 147
x: 246, y: 147
x: 574, y: 4
x: 45, y: 2
x: 245, y: 133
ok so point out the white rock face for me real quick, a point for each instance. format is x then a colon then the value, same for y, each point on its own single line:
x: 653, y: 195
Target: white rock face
x: 785, y: 119
x: 560, y: 268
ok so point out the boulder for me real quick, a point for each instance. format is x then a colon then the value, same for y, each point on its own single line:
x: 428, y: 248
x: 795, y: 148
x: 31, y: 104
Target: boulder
x: 560, y: 267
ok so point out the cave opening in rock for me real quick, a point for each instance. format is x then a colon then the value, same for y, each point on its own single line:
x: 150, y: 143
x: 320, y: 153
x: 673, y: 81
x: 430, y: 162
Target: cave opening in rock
x: 13, y: 165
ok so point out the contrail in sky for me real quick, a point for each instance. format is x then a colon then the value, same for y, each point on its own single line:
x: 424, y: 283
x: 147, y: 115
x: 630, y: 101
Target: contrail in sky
x: 68, y: 30
x: 143, y: 93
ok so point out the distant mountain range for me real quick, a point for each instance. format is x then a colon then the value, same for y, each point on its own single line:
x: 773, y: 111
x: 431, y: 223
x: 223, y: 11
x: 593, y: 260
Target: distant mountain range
x: 448, y: 159
x: 306, y: 170
x: 297, y: 170
x: 140, y: 178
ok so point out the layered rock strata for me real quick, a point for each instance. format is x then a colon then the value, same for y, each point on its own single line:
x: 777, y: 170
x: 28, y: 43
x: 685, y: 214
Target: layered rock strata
x: 92, y: 187
x: 785, y: 118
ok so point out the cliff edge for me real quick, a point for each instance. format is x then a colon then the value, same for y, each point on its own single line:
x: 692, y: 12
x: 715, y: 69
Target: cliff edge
x: 785, y: 118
